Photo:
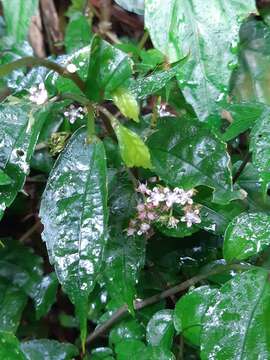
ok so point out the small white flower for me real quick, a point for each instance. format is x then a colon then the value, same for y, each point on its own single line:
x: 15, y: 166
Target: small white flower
x: 131, y: 231
x: 38, y: 94
x: 73, y: 113
x: 172, y: 223
x: 72, y: 68
x: 156, y: 196
x: 184, y: 197
x: 191, y: 216
x: 143, y: 228
x: 151, y: 216
x: 143, y: 189
x: 172, y: 198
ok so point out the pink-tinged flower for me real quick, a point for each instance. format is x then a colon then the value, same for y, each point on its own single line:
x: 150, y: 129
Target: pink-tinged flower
x: 144, y: 228
x: 184, y: 197
x: 142, y: 215
x: 172, y: 223
x: 191, y: 216
x: 73, y: 113
x: 38, y: 94
x: 143, y: 189
x: 156, y: 196
x: 140, y: 207
x: 151, y: 216
x: 131, y: 231
x: 172, y: 198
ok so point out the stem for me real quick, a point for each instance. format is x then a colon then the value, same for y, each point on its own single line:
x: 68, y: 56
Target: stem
x: 138, y: 305
x: 90, y: 122
x: 246, y: 159
x: 31, y: 61
x: 143, y: 40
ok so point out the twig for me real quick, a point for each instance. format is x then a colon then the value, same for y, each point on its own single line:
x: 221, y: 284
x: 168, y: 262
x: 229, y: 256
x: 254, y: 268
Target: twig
x: 36, y: 62
x: 246, y: 159
x: 138, y: 305
x: 29, y: 232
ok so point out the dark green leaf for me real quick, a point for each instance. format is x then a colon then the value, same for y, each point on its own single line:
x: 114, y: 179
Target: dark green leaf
x: 126, y: 329
x: 108, y: 69
x: 206, y: 31
x: 247, y: 235
x: 10, y: 347
x: 236, y: 323
x: 185, y: 154
x: 4, y: 178
x: 18, y: 15
x: 189, y: 312
x: 48, y: 350
x: 124, y: 258
x: 45, y: 295
x: 74, y: 213
x: 160, y: 329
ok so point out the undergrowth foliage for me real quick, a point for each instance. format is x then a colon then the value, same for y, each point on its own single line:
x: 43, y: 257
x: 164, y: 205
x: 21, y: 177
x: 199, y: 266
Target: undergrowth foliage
x: 150, y: 162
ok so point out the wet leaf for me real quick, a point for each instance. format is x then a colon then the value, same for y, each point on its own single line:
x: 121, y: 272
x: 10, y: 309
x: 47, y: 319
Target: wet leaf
x: 109, y: 68
x: 48, y: 350
x: 185, y: 154
x: 101, y: 353
x: 4, y: 178
x: 247, y: 235
x: 126, y: 103
x: 74, y: 214
x: 160, y: 329
x: 136, y: 6
x: 192, y: 27
x: 46, y: 294
x: 126, y: 329
x: 10, y: 347
x: 189, y: 312
x: 236, y: 323
x: 124, y: 259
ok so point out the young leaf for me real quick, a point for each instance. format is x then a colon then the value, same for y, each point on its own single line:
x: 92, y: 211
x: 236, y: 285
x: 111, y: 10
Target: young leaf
x: 124, y: 258
x: 126, y: 103
x: 189, y: 312
x: 247, y: 235
x: 10, y: 347
x: 108, y: 69
x: 185, y: 154
x: 160, y: 329
x: 74, y: 213
x: 190, y: 26
x: 48, y: 349
x: 133, y: 150
x: 18, y: 15
x: 235, y: 325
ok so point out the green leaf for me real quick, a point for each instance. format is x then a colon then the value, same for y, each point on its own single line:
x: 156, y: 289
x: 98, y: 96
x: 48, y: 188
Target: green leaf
x: 19, y: 131
x: 101, y: 353
x: 189, y: 312
x: 4, y: 178
x: 260, y: 147
x: 208, y: 32
x: 126, y: 329
x: 126, y: 103
x: 247, y: 235
x: 10, y: 347
x: 236, y: 323
x: 250, y: 81
x: 160, y: 329
x: 124, y: 259
x: 18, y: 14
x: 186, y: 154
x: 48, y: 350
x: 180, y: 231
x: 133, y: 150
x: 45, y: 295
x: 78, y: 33
x: 74, y: 214
x: 11, y: 307
x: 108, y: 69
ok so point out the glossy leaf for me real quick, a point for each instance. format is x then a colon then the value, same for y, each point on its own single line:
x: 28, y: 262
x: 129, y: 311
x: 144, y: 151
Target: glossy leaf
x: 48, y: 350
x: 108, y: 69
x: 4, y: 178
x: 101, y: 353
x: 126, y: 103
x: 133, y: 150
x: 74, y: 214
x: 124, y: 258
x: 19, y: 131
x: 78, y: 33
x: 160, y: 329
x: 235, y: 325
x: 18, y: 15
x: 251, y: 78
x: 46, y: 294
x: 10, y: 347
x: 260, y: 147
x: 206, y: 31
x: 185, y: 154
x: 247, y: 235
x: 189, y: 312
x: 126, y: 329
x: 136, y: 6
x: 11, y: 307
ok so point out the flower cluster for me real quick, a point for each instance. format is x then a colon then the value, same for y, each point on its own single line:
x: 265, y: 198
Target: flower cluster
x: 157, y: 206
x: 73, y: 113
x: 38, y: 94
